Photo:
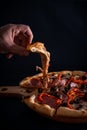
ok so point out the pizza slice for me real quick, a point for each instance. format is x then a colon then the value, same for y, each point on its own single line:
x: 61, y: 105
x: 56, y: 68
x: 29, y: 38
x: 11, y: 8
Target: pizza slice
x: 65, y: 98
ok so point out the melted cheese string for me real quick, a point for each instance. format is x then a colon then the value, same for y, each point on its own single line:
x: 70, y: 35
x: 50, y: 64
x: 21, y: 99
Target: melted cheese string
x: 39, y: 47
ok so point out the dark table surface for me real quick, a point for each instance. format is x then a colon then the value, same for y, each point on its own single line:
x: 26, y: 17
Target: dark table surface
x: 14, y: 114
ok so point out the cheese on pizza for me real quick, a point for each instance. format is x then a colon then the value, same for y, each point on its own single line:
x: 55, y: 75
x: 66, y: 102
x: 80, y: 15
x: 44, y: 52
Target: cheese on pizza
x: 39, y: 47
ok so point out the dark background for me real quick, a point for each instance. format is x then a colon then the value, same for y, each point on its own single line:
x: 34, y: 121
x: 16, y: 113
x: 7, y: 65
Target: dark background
x: 62, y: 26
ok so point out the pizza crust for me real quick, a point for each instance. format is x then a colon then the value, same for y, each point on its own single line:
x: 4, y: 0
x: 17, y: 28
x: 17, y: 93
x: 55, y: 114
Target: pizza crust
x: 65, y: 72
x: 77, y: 72
x: 64, y: 111
x: 41, y: 109
x: 62, y: 114
x: 67, y: 115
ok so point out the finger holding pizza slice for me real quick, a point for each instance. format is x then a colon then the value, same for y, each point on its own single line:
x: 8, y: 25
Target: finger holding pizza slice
x: 61, y: 96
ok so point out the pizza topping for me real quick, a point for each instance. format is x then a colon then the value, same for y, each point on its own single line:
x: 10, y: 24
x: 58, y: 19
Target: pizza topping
x: 62, y: 82
x: 66, y: 76
x: 36, y: 83
x: 54, y: 90
x: 85, y: 97
x: 50, y: 100
x: 40, y: 90
x: 64, y: 100
x: 78, y: 81
x: 72, y: 84
x: 67, y: 88
x: 74, y: 96
x: 70, y: 91
x: 83, y: 87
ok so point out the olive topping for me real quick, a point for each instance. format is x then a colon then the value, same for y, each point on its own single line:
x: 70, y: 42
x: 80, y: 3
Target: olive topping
x: 84, y: 77
x: 57, y: 95
x: 84, y: 86
x: 40, y: 90
x: 77, y: 100
x: 79, y: 106
x: 67, y: 88
x: 85, y: 97
x: 52, y: 90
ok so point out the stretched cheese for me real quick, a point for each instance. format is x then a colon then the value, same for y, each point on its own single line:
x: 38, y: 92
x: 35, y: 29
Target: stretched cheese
x: 39, y: 47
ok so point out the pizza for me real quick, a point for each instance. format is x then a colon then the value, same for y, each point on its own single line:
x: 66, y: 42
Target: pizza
x: 61, y: 96
x: 64, y: 99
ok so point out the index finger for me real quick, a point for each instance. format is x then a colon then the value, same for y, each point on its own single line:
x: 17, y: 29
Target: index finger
x: 26, y: 30
x: 30, y: 34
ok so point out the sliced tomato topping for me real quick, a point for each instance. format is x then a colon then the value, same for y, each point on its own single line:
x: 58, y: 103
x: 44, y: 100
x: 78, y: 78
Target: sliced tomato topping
x: 50, y: 100
x: 36, y: 82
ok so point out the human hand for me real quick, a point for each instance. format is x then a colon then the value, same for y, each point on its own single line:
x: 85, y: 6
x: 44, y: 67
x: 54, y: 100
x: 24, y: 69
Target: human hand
x: 14, y: 39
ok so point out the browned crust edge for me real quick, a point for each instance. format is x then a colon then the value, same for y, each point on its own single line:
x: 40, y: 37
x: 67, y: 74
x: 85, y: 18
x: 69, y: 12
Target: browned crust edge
x: 42, y: 109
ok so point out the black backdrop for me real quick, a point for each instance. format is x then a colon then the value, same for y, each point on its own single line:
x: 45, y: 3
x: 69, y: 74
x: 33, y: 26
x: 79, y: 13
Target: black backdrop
x: 62, y: 26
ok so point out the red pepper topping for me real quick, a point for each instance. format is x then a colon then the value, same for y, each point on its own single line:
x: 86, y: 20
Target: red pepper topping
x: 72, y: 94
x: 59, y: 76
